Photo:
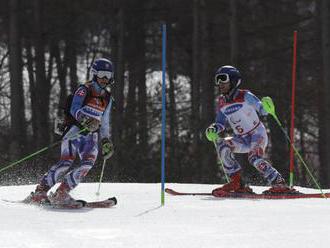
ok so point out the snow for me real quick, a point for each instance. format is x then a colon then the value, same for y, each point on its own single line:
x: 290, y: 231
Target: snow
x: 185, y: 221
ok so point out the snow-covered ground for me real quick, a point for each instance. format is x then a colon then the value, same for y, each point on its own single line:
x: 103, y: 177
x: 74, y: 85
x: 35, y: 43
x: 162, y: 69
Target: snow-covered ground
x: 184, y: 221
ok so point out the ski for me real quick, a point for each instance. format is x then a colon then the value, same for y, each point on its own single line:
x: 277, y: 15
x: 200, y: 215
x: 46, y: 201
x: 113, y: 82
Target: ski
x: 79, y: 204
x: 274, y: 196
x: 234, y: 195
x: 108, y: 203
x: 173, y: 192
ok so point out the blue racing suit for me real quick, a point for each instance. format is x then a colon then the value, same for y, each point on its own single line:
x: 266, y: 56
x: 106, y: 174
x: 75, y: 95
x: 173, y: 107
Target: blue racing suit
x: 89, y: 99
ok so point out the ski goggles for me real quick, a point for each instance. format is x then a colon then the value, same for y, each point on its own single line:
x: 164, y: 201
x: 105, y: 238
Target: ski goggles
x: 222, y: 78
x: 104, y: 74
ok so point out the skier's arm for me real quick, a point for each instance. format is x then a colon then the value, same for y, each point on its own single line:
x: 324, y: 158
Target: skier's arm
x: 213, y: 131
x: 105, y: 131
x: 107, y: 148
x: 86, y: 119
x: 220, y: 122
x: 254, y: 101
x: 77, y: 101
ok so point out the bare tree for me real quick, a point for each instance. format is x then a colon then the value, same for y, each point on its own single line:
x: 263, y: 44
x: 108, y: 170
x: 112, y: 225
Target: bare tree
x: 17, y: 107
x: 195, y: 83
x: 324, y: 116
x: 42, y: 83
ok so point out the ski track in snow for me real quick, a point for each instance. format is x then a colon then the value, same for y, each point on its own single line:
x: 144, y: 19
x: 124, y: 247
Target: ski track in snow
x: 185, y: 221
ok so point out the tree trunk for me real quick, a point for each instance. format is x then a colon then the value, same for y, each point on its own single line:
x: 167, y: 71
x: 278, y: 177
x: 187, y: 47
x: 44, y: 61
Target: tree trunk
x: 42, y: 84
x: 233, y: 33
x: 32, y: 89
x: 61, y: 66
x: 118, y: 58
x: 72, y: 63
x: 207, y: 165
x: 195, y: 87
x: 174, y: 168
x: 324, y: 112
x: 142, y: 91
x: 17, y: 106
x: 71, y: 42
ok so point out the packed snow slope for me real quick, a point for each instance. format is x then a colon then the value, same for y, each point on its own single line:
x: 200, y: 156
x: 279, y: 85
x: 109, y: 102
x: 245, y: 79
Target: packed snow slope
x: 184, y: 221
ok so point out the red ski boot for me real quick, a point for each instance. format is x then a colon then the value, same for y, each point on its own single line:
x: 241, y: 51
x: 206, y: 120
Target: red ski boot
x: 62, y: 198
x: 280, y: 187
x: 39, y: 196
x: 235, y: 185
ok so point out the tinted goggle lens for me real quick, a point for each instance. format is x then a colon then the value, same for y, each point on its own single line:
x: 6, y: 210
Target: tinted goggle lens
x: 104, y: 74
x: 221, y: 79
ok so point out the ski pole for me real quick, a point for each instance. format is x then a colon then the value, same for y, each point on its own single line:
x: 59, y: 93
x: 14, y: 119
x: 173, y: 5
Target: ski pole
x: 269, y: 107
x: 101, y: 177
x: 220, y: 161
x: 42, y: 150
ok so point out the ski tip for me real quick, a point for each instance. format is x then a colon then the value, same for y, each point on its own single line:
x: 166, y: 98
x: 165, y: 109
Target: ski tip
x: 83, y: 203
x: 170, y: 191
x: 114, y: 199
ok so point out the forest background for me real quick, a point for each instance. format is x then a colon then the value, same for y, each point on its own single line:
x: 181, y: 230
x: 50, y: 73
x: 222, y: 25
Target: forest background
x: 47, y: 47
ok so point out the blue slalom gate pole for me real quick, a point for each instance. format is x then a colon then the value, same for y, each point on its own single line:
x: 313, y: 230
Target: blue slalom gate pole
x: 163, y: 112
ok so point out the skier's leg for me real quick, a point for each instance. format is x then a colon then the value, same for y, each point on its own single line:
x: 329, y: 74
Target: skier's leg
x: 256, y: 158
x: 88, y: 150
x: 49, y: 179
x: 232, y: 168
x: 88, y: 154
x: 68, y: 155
x: 224, y: 149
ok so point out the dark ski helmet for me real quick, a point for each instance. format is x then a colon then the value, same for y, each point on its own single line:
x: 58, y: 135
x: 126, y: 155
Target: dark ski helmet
x: 228, y: 74
x: 103, y: 68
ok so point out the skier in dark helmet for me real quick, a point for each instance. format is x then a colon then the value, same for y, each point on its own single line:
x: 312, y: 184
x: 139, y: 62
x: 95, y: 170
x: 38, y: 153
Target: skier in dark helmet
x: 90, y: 110
x: 240, y: 110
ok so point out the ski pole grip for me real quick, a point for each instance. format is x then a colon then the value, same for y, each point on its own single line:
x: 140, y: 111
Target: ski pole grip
x: 268, y: 105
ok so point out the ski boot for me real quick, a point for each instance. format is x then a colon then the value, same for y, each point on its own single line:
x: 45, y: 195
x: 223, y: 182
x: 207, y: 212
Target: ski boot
x: 62, y: 198
x: 235, y: 185
x: 39, y: 196
x: 279, y: 186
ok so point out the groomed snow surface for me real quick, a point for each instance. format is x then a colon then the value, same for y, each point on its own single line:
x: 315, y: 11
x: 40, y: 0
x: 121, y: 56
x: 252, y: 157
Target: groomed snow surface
x: 184, y: 221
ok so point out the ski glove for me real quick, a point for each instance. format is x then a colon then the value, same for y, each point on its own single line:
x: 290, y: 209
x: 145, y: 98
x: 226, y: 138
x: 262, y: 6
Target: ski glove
x: 212, y: 133
x: 90, y: 123
x: 107, y: 148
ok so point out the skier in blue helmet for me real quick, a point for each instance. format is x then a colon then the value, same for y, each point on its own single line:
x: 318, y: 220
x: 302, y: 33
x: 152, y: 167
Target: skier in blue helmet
x: 103, y: 69
x: 89, y: 110
x: 239, y: 110
x: 228, y: 75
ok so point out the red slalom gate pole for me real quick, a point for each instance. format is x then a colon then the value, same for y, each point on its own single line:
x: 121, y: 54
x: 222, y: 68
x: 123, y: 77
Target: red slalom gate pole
x: 293, y: 92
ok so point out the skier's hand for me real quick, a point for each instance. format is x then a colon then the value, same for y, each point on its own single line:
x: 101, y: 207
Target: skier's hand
x: 107, y: 148
x: 212, y: 133
x: 89, y: 123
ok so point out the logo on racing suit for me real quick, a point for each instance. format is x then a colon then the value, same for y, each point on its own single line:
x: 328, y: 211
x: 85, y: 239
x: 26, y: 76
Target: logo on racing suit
x: 92, y: 112
x: 233, y: 108
x: 81, y: 92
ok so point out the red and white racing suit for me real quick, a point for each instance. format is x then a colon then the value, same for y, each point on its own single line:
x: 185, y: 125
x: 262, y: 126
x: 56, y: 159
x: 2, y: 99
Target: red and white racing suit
x: 250, y: 136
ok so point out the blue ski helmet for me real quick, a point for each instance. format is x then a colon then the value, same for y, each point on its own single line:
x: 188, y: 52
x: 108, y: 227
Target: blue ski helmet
x: 228, y: 74
x: 103, y: 68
